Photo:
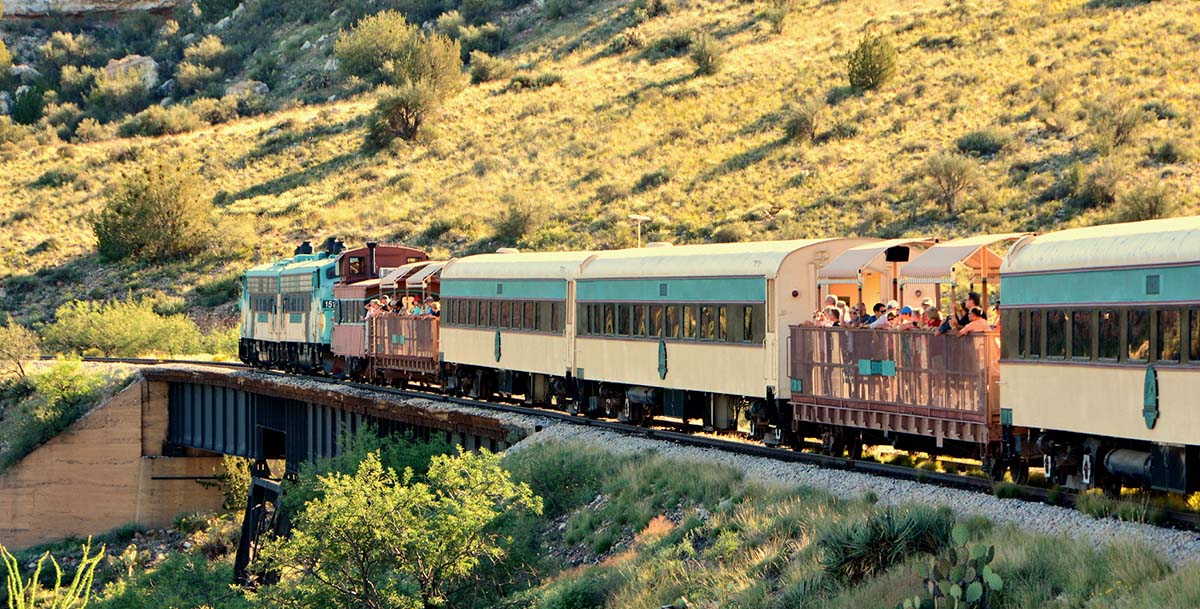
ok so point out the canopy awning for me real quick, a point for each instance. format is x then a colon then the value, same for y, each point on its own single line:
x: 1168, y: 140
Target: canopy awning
x: 400, y: 273
x: 847, y: 267
x: 417, y: 279
x: 937, y: 264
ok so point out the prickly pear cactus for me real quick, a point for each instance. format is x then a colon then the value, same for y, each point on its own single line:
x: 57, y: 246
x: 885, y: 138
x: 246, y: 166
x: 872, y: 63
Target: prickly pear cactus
x: 961, y: 578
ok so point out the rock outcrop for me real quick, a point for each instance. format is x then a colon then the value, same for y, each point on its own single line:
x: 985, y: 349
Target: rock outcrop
x: 145, y: 66
x: 39, y: 8
x: 247, y: 87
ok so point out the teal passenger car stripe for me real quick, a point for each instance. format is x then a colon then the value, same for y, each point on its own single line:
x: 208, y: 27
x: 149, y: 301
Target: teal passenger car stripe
x: 1166, y: 284
x: 714, y: 289
x: 538, y: 289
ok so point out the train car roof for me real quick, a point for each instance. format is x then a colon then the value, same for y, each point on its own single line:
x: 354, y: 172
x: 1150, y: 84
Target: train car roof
x: 534, y: 265
x: 1170, y: 241
x: 290, y: 265
x: 761, y: 259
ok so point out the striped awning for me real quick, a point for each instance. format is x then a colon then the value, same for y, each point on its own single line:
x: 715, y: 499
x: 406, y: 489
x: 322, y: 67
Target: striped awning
x: 848, y: 267
x: 937, y: 264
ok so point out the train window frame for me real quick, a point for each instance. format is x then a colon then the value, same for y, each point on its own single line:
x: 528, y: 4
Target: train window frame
x: 608, y: 319
x: 1192, y: 332
x: 1063, y: 352
x: 655, y: 321
x: 557, y: 311
x: 722, y: 322
x: 1100, y: 335
x: 690, y: 326
x: 1022, y: 334
x: 1037, y: 334
x: 506, y: 315
x: 639, y: 320
x: 673, y: 317
x: 707, y: 323
x: 1157, y: 350
x: 1085, y: 340
x: 530, y: 321
x: 1126, y: 356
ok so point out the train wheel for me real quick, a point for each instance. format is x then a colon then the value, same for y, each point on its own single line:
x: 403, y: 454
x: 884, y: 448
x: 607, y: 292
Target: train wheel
x: 1019, y: 469
x: 854, y: 447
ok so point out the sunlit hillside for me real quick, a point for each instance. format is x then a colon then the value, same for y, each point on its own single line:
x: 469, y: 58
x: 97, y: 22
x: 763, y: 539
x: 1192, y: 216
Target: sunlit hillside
x: 1025, y: 89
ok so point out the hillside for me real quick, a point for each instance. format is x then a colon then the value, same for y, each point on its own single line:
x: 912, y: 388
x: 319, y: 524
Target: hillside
x: 627, y: 127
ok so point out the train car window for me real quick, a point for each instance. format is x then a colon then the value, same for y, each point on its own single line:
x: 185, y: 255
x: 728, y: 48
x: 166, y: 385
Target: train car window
x: 1137, y: 348
x: 1022, y: 333
x: 1109, y: 340
x: 495, y: 314
x: 557, y: 310
x: 505, y: 315
x: 1010, y: 329
x: 744, y: 330
x: 1035, y: 334
x: 673, y: 319
x: 689, y: 322
x: 530, y: 323
x: 1081, y: 335
x: 656, y: 320
x: 708, y: 322
x: 583, y: 319
x: 722, y: 322
x: 639, y: 320
x: 355, y: 266
x: 1056, y: 333
x: 471, y: 312
x: 623, y: 320
x: 1194, y: 325
x: 541, y: 316
x: 1167, y: 349
x: 610, y: 320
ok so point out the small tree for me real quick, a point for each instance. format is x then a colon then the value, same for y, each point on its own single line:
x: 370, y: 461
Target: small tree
x: 376, y: 540
x: 1114, y: 122
x: 28, y: 106
x: 872, y: 63
x: 1146, y: 202
x: 18, y: 345
x: 31, y: 595
x: 707, y: 54
x: 949, y: 176
x: 400, y: 112
x: 5, y: 60
x: 155, y: 213
x: 385, y: 48
x: 803, y: 119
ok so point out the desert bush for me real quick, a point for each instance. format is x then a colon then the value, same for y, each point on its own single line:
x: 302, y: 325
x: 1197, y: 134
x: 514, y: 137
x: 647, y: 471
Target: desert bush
x: 120, y: 328
x: 948, y: 177
x: 485, y: 68
x: 76, y: 82
x: 191, y: 78
x: 1171, y: 150
x: 803, y: 119
x: 732, y: 233
x: 400, y: 112
x: 90, y: 130
x: 450, y: 23
x: 984, y: 142
x: 1095, y: 187
x: 565, y: 476
x: 629, y: 39
x: 114, y: 95
x: 489, y: 37
x: 557, y: 9
x: 65, y: 117
x: 18, y: 346
x: 50, y: 402
x: 209, y: 51
x: 516, y: 220
x: 136, y: 33
x: 525, y: 81
x: 5, y: 64
x: 672, y: 45
x: 65, y: 49
x: 25, y: 594
x: 214, y: 10
x: 854, y: 550
x: 157, y: 120
x: 28, y: 106
x: 215, y: 111
x: 707, y: 54
x: 1148, y: 201
x: 1113, y: 122
x: 155, y: 212
x: 476, y: 11
x: 778, y: 12
x: 872, y: 63
x: 654, y: 179
x: 386, y: 48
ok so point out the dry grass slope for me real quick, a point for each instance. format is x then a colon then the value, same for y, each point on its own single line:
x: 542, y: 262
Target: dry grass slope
x: 631, y: 128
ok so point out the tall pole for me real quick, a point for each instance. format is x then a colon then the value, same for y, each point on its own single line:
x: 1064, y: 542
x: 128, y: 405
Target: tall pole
x: 638, y: 218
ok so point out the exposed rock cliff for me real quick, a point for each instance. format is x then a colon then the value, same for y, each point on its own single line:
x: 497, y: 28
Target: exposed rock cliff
x: 34, y: 8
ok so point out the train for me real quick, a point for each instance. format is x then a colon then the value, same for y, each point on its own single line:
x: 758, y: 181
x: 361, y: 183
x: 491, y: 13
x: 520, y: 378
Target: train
x: 1091, y: 375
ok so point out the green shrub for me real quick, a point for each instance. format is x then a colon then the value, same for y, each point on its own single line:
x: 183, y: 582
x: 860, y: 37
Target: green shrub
x: 65, y: 49
x: 1148, y: 201
x: 526, y: 81
x: 90, y: 130
x: 157, y: 120
x: 872, y: 63
x: 732, y: 233
x: 155, y: 212
x: 50, y: 402
x: 55, y: 178
x: 5, y: 64
x: 18, y: 346
x: 949, y: 176
x: 476, y: 11
x: 193, y: 78
x: 673, y: 44
x: 450, y: 24
x: 1095, y: 505
x: 120, y: 328
x: 557, y: 9
x: 707, y: 54
x: 485, y: 68
x: 117, y: 94
x: 28, y: 106
x: 400, y: 112
x: 489, y: 37
x: 515, y: 221
x: 386, y: 48
x: 214, y: 10
x: 803, y: 119
x: 209, y: 51
x: 627, y: 40
x: 1170, y: 151
x: 1113, y: 122
x: 565, y: 476
x: 215, y: 111
x: 136, y: 32
x: 65, y: 117
x: 76, y: 82
x: 1006, y: 490
x: 964, y: 575
x: 778, y: 12
x: 854, y: 550
x: 590, y: 590
x: 985, y: 142
x: 1097, y: 187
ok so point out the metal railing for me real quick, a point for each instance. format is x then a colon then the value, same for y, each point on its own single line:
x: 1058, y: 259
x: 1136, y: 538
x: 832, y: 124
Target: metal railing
x: 403, y: 336
x: 906, y: 371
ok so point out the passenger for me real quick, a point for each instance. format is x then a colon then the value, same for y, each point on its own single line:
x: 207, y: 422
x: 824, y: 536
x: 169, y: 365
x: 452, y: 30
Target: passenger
x: 833, y: 317
x: 416, y: 308
x: 884, y: 321
x: 926, y: 302
x: 973, y: 299
x: 385, y: 304
x: 978, y: 323
x: 373, y: 308
x: 933, y: 317
x: 427, y: 308
x: 877, y: 311
x: 437, y: 308
x: 906, y: 320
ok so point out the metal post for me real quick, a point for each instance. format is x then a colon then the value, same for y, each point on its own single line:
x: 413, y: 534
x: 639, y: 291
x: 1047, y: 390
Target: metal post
x: 638, y: 218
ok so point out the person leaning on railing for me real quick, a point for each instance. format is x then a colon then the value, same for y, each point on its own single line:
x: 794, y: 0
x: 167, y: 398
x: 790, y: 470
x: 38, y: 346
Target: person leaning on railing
x: 978, y: 323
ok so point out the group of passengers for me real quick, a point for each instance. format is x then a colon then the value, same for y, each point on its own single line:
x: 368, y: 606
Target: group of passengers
x: 969, y: 317
x: 409, y: 306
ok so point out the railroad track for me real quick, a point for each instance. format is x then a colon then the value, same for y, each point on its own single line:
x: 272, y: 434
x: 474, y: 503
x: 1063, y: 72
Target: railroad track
x: 1059, y: 496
